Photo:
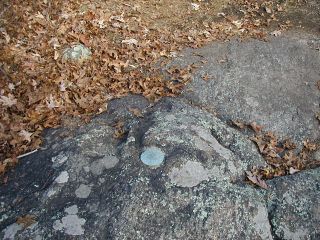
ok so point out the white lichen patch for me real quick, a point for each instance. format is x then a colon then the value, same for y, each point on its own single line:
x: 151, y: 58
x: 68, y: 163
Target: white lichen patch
x: 295, y: 235
x: 201, y: 144
x: 205, y: 141
x: 101, y: 180
x: 51, y: 192
x: 288, y: 198
x: 252, y: 102
x: 83, y: 191
x: 175, y: 139
x: 72, y: 210
x: 107, y: 162
x: 262, y: 224
x: 59, y: 160
x: 232, y: 168
x: 77, y: 53
x: 189, y: 175
x: 63, y: 177
x: 71, y: 224
x: 218, y: 173
x: 131, y: 139
x: 170, y: 118
x: 11, y: 231
x: 3, y: 217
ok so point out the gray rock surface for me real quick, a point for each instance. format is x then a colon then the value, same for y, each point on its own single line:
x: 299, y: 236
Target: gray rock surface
x: 85, y: 184
x: 294, y: 205
x: 77, y: 52
x: 272, y: 83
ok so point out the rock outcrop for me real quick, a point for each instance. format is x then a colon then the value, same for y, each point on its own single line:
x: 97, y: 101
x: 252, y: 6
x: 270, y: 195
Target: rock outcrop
x: 94, y: 186
x: 178, y: 171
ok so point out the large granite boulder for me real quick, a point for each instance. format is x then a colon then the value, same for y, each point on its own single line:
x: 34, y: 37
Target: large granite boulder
x: 273, y: 83
x: 90, y: 185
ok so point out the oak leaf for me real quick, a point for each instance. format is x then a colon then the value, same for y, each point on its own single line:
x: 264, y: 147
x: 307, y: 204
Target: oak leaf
x: 26, y: 220
x: 255, y: 127
x: 256, y: 180
x: 25, y: 135
x: 239, y: 124
x: 206, y: 77
x: 293, y: 170
x: 136, y: 111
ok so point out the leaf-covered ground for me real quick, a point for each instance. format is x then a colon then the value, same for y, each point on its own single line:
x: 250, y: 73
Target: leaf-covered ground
x: 129, y: 41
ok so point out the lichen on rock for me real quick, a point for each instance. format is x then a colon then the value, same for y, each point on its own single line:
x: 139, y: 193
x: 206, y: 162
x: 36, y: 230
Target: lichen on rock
x: 71, y: 224
x: 77, y: 52
x: 189, y: 175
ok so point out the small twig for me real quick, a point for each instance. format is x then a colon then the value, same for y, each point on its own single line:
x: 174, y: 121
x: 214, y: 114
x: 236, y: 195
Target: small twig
x: 28, y: 153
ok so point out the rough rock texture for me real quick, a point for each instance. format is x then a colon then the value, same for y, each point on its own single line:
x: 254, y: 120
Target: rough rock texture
x: 85, y: 184
x: 294, y: 205
x: 197, y: 193
x: 77, y: 53
x: 273, y: 83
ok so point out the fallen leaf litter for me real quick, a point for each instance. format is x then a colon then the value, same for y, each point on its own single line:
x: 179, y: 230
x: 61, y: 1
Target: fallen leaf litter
x: 282, y: 156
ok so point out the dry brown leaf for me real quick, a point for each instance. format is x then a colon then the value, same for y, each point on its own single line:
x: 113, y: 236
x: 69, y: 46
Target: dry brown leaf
x: 256, y: 180
x: 25, y: 135
x: 222, y: 61
x: 318, y: 116
x: 310, y: 146
x: 293, y: 170
x: 130, y: 41
x: 288, y: 144
x: 239, y: 124
x: 206, y: 77
x: 255, y: 127
x: 51, y: 102
x: 119, y: 131
x: 260, y: 142
x: 10, y: 162
x: 26, y: 220
x: 84, y: 39
x: 268, y: 10
x: 276, y: 33
x: 136, y: 112
x: 2, y: 168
